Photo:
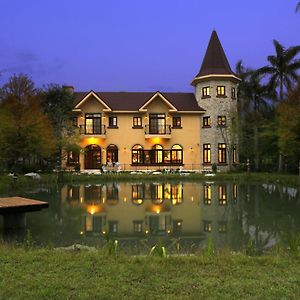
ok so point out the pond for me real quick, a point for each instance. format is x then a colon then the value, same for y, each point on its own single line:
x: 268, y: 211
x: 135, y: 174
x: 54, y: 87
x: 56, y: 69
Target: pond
x: 184, y: 216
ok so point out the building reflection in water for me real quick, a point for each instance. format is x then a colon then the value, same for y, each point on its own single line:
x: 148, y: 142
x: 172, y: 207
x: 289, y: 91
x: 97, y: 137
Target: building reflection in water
x: 135, y: 210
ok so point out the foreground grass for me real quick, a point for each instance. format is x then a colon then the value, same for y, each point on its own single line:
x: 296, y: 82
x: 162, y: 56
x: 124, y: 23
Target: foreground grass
x: 50, y: 274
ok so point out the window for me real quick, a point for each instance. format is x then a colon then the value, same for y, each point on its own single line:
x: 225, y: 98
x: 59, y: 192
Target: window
x: 93, y: 124
x: 73, y: 193
x: 113, y: 226
x: 157, y: 124
x: 137, y: 154
x: 176, y: 157
x: 158, y: 154
x: 222, y: 153
x: 137, y: 122
x: 206, y: 122
x: 221, y: 91
x: 112, y: 154
x: 206, y: 154
x: 137, y: 226
x: 233, y: 93
x: 234, y: 155
x: 207, y: 226
x: 112, y: 121
x: 207, y: 194
x: 222, y: 195
x: 206, y: 92
x: 222, y: 227
x: 112, y: 194
x: 73, y: 158
x: 176, y: 122
x: 221, y: 121
x: 137, y: 193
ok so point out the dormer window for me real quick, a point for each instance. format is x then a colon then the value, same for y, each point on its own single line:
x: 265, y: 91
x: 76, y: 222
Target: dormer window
x: 221, y: 91
x: 206, y: 92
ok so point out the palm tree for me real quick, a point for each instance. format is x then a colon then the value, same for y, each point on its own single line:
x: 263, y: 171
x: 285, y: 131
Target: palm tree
x: 282, y: 68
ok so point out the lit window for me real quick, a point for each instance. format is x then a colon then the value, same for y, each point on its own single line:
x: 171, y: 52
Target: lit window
x: 206, y: 122
x: 220, y: 90
x: 206, y: 153
x: 222, y: 195
x: 176, y: 122
x: 207, y: 226
x: 137, y: 121
x: 137, y: 226
x: 207, y: 194
x: 234, y: 155
x: 137, y: 154
x: 112, y: 154
x: 222, y: 153
x: 73, y: 158
x: 112, y: 121
x: 206, y: 91
x: 222, y: 227
x: 221, y: 121
x: 113, y: 226
x: 233, y: 93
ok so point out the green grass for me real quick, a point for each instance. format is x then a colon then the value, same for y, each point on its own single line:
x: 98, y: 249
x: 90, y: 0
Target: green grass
x: 50, y: 274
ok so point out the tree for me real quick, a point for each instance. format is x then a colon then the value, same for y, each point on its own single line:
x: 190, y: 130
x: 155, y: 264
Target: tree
x: 25, y: 132
x: 19, y: 86
x: 282, y: 68
x: 58, y: 103
x: 289, y: 125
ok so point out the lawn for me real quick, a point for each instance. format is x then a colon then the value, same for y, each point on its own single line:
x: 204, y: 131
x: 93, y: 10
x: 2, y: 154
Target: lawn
x: 52, y: 274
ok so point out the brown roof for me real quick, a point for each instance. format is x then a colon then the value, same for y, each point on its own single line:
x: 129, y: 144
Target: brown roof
x: 132, y: 101
x: 215, y: 60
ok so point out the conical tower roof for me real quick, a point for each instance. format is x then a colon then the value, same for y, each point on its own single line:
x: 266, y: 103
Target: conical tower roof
x: 215, y: 61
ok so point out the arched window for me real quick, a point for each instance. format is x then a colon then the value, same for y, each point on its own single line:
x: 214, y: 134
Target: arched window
x: 177, y: 157
x: 137, y: 154
x: 158, y: 153
x: 112, y: 154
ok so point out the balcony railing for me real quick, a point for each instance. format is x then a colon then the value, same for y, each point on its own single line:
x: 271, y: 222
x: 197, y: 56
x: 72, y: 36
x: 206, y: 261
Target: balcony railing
x: 158, y: 129
x: 92, y: 129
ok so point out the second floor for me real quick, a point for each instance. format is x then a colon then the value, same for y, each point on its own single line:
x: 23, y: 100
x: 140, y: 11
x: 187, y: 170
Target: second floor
x: 146, y: 115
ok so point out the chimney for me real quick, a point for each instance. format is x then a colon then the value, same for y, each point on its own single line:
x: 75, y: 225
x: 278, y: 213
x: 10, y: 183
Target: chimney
x: 68, y: 88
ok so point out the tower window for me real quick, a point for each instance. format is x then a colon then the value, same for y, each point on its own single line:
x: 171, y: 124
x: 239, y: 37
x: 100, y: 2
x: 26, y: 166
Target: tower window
x: 206, y: 92
x: 206, y: 122
x: 206, y: 154
x: 222, y: 121
x: 233, y: 93
x: 221, y: 91
x: 222, y: 153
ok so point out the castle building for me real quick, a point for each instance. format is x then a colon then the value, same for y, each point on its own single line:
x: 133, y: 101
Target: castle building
x: 144, y: 130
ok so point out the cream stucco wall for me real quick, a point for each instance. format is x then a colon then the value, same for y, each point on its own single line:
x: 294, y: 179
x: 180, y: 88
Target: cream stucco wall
x: 125, y: 137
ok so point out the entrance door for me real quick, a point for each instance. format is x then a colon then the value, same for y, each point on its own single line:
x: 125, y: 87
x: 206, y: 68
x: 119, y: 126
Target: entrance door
x: 92, y: 157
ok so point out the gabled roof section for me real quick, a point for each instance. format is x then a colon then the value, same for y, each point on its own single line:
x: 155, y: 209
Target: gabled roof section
x: 96, y: 96
x: 215, y: 61
x: 133, y: 101
x: 158, y: 94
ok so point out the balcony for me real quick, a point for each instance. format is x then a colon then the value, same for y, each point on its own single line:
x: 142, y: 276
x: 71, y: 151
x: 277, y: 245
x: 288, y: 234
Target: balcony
x: 99, y: 130
x: 162, y: 131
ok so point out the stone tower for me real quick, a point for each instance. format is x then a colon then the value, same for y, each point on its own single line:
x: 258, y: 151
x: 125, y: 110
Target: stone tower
x: 216, y: 91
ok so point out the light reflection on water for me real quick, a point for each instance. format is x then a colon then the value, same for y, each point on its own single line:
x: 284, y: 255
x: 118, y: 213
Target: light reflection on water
x: 184, y: 215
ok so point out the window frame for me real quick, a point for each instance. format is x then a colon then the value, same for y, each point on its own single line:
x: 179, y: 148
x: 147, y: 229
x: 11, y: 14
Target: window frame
x: 222, y: 121
x: 139, y: 123
x: 204, y: 119
x: 174, y: 125
x: 111, y: 123
x: 206, y: 153
x: 221, y: 91
x: 222, y: 153
x: 206, y: 92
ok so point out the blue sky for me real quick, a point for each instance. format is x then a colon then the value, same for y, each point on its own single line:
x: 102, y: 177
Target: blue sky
x: 136, y: 45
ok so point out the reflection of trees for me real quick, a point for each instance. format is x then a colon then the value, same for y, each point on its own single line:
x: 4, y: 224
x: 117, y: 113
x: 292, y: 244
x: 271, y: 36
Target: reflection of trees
x: 268, y: 217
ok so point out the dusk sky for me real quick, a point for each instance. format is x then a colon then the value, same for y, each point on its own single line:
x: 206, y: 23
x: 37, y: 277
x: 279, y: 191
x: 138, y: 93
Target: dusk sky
x: 136, y: 45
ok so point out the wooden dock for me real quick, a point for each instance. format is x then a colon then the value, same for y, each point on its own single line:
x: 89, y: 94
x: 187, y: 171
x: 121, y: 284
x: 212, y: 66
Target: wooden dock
x: 13, y: 210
